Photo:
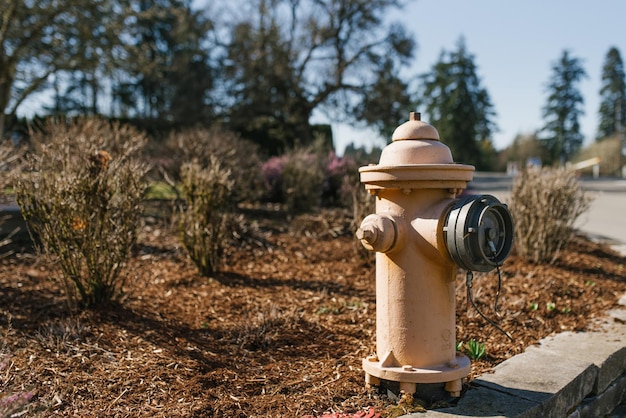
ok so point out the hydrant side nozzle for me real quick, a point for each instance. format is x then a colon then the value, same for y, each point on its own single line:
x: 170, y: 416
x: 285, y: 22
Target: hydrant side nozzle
x: 378, y: 232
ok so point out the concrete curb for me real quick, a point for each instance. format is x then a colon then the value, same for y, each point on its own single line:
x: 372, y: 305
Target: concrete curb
x: 572, y: 375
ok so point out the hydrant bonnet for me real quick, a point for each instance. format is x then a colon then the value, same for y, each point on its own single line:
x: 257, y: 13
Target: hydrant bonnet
x: 416, y: 159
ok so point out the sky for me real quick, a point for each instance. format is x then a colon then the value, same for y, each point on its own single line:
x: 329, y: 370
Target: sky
x: 515, y: 44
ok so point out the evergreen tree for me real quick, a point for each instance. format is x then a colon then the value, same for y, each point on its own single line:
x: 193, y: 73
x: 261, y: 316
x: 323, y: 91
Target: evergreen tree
x: 612, y: 95
x: 561, y: 132
x: 459, y: 107
x: 171, y: 66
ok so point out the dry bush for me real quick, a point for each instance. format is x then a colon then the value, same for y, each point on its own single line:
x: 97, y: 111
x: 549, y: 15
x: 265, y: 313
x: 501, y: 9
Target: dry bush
x: 545, y: 204
x: 82, y: 197
x: 234, y: 154
x: 206, y: 214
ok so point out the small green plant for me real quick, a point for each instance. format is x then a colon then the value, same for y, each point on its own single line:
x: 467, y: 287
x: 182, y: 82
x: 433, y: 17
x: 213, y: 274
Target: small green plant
x: 406, y: 405
x: 206, y: 214
x: 550, y: 306
x: 534, y: 306
x: 160, y: 191
x: 326, y: 310
x: 474, y: 349
x: 81, y: 196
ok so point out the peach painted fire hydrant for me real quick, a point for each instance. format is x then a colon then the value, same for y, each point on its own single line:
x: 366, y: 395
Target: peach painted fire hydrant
x: 421, y: 233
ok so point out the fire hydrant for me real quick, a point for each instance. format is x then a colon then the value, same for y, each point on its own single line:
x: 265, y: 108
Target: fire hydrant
x: 421, y: 232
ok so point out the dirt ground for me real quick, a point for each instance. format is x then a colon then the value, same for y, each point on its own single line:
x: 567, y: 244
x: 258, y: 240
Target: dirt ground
x: 279, y: 333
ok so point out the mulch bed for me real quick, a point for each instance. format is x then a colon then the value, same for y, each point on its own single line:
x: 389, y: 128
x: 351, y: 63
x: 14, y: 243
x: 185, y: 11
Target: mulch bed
x: 279, y: 333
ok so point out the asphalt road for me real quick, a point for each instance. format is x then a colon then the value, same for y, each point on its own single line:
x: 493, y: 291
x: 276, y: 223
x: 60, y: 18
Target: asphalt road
x: 606, y: 218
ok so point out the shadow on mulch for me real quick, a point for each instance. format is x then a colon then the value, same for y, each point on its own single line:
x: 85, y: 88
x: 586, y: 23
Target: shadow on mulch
x: 176, y: 337
x: 232, y: 279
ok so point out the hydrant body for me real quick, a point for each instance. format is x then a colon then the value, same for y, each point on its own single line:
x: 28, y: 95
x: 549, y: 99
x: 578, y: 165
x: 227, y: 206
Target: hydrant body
x: 416, y: 184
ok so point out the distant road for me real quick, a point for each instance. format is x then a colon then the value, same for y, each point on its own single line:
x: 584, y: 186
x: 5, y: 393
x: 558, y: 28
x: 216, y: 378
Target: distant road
x: 606, y: 218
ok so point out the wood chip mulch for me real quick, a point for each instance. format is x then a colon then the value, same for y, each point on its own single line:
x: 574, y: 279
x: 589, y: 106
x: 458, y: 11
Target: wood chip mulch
x: 279, y: 333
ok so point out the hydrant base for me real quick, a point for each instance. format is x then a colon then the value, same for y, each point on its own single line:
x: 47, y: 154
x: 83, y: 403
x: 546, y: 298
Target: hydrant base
x: 433, y: 374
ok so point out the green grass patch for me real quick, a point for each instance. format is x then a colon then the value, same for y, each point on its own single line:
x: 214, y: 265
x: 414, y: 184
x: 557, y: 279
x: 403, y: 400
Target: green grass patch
x: 160, y: 191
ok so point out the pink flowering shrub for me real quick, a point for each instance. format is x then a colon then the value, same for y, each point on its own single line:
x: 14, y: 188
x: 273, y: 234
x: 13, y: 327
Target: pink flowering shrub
x: 272, y: 171
x: 304, y: 179
x: 341, y: 177
x: 295, y: 179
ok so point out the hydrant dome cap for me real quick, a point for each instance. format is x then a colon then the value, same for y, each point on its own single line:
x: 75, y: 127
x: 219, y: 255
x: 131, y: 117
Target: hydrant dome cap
x: 415, y: 128
x: 424, y: 151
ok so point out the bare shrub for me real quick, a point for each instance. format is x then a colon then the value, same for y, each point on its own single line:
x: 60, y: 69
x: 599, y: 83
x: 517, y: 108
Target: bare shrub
x: 234, y: 154
x: 206, y: 214
x: 545, y: 204
x: 82, y: 198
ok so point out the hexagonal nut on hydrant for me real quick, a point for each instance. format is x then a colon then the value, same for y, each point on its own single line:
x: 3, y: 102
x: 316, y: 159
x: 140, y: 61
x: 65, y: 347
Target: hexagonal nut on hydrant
x: 377, y: 233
